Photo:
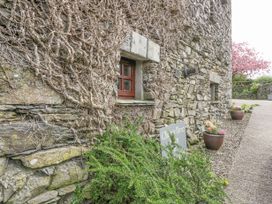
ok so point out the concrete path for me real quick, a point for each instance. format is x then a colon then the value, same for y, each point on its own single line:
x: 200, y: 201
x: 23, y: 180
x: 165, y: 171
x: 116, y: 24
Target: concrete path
x: 251, y: 174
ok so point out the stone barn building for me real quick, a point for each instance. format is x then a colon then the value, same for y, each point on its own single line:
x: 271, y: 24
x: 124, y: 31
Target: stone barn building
x: 64, y: 77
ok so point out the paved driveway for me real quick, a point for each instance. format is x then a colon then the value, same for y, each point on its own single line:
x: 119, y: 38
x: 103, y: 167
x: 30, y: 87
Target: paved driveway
x: 251, y: 174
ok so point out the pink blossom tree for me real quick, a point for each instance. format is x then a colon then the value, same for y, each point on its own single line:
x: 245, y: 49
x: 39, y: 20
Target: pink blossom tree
x: 246, y: 60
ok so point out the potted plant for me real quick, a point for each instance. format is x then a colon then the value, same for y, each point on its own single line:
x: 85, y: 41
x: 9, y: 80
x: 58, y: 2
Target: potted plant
x: 213, y: 136
x: 247, y: 108
x: 236, y: 113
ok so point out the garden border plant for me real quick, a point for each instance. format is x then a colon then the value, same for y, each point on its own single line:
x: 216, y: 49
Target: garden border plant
x: 126, y: 167
x: 213, y: 136
x: 247, y: 108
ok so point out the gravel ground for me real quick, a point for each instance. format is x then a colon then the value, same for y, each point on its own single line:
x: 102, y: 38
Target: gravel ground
x: 223, y: 158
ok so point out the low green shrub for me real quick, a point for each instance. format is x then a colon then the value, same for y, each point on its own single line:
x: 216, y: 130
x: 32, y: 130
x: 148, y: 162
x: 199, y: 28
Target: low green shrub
x: 126, y: 168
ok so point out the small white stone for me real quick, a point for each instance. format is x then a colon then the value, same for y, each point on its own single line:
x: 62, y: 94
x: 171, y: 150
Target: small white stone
x: 188, y: 50
x: 33, y: 161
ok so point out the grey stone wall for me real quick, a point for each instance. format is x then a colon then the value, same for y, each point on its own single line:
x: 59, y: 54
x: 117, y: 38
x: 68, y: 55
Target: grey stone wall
x: 264, y: 91
x: 40, y: 154
x: 42, y: 138
x: 204, y: 46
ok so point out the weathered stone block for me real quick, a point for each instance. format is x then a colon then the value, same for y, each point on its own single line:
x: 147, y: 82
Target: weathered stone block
x: 148, y: 96
x: 60, y: 117
x: 153, y: 51
x: 51, y: 156
x: 2, y: 2
x: 35, y: 185
x: 26, y: 89
x: 44, y: 197
x: 68, y: 173
x: 8, y: 116
x: 157, y: 113
x: 67, y: 199
x: 18, y: 137
x: 188, y: 50
x: 126, y: 46
x: 171, y: 113
x: 67, y: 189
x: 49, y: 171
x: 3, y: 165
x: 214, y: 77
x: 199, y: 97
x: 14, y: 179
x: 54, y: 201
x: 177, y: 112
x: 191, y: 112
x: 193, y: 139
x: 1, y: 194
x: 139, y: 45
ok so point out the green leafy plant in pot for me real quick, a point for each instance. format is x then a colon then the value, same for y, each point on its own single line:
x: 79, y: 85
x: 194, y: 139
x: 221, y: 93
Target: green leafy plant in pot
x: 247, y: 108
x: 213, y: 136
x: 236, y: 113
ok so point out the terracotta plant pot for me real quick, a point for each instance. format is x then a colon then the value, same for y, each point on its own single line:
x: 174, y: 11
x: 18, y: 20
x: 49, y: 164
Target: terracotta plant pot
x: 213, y: 141
x: 237, y: 114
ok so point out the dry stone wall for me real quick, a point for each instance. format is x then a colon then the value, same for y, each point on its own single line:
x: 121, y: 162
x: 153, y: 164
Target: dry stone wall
x: 264, y: 91
x: 42, y: 135
x: 40, y: 154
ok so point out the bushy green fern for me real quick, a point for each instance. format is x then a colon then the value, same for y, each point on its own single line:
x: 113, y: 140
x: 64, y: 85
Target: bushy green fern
x: 125, y: 168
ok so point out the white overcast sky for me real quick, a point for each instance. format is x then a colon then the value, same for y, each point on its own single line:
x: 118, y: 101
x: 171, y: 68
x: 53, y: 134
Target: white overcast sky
x: 252, y: 23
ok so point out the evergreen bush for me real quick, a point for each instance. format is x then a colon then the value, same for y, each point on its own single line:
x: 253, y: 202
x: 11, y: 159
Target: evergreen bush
x: 125, y: 168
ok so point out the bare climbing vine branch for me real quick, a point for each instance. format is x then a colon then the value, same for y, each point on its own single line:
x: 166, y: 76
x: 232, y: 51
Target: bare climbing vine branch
x: 74, y: 45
